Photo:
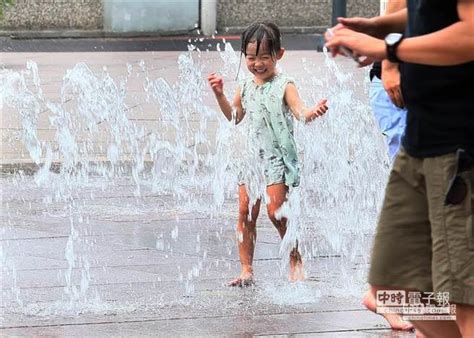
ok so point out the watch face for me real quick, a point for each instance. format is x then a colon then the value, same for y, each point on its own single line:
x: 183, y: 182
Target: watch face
x: 393, y: 38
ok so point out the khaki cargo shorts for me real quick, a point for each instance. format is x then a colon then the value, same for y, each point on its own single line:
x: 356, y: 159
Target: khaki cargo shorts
x: 421, y: 243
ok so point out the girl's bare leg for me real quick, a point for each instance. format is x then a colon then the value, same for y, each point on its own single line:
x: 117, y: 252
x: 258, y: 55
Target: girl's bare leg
x: 277, y: 194
x: 247, y: 235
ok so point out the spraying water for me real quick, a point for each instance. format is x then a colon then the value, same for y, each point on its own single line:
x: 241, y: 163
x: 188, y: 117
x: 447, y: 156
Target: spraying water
x: 184, y: 164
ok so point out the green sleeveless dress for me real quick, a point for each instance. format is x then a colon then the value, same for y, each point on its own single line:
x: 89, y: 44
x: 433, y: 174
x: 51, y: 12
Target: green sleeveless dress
x: 271, y: 126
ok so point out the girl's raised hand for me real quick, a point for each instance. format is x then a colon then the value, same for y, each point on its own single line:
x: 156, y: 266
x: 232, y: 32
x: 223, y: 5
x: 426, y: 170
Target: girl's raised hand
x: 321, y: 108
x: 216, y: 83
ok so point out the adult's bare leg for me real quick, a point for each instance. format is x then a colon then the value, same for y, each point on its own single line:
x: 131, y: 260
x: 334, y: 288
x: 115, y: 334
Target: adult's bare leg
x: 465, y: 319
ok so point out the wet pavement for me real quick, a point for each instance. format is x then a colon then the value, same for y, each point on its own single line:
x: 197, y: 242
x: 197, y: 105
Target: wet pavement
x: 106, y: 262
x: 157, y: 269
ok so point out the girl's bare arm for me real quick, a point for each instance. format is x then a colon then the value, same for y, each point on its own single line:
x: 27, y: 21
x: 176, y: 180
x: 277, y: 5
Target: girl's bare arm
x: 231, y: 112
x: 293, y: 100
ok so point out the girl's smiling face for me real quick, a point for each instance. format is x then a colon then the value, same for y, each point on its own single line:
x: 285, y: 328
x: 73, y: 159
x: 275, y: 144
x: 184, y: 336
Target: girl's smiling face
x: 263, y: 64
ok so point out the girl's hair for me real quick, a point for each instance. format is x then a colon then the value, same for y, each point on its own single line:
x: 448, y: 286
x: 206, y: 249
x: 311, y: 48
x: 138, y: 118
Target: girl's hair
x: 258, y: 32
x: 261, y: 31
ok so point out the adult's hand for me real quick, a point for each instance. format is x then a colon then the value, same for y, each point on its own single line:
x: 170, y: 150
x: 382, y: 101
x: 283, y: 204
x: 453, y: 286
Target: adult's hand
x: 360, y: 44
x: 361, y: 25
x: 391, y: 82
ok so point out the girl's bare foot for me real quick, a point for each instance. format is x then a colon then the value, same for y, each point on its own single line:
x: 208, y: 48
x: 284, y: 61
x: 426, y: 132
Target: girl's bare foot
x: 296, y: 267
x: 394, y: 320
x: 245, y: 279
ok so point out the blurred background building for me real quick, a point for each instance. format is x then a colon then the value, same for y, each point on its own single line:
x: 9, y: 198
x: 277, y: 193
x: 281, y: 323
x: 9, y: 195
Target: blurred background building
x: 86, y: 18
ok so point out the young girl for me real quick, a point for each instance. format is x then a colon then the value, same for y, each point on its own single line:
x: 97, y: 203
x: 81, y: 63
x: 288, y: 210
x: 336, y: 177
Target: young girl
x: 269, y: 99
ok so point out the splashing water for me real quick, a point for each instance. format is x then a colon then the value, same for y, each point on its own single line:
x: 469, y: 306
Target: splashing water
x: 188, y: 159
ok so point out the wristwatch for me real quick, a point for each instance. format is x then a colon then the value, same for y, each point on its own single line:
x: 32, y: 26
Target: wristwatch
x: 391, y: 42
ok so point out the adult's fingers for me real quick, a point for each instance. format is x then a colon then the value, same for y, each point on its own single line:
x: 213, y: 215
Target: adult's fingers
x: 345, y: 21
x: 335, y: 29
x: 358, y: 24
x: 395, y: 97
x: 341, y: 38
x: 333, y: 47
x: 391, y: 95
x: 399, y: 98
x: 363, y: 62
x: 402, y: 101
x: 352, y: 23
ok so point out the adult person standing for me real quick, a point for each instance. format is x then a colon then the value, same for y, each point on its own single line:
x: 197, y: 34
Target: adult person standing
x: 388, y: 108
x: 425, y: 235
x: 386, y: 99
x: 387, y: 103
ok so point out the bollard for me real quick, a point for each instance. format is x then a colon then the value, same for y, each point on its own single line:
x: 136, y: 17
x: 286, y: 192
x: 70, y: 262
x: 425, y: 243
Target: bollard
x: 338, y: 10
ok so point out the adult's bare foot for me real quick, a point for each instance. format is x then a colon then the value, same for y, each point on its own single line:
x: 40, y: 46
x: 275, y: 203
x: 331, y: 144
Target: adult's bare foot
x: 394, y: 320
x: 296, y: 267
